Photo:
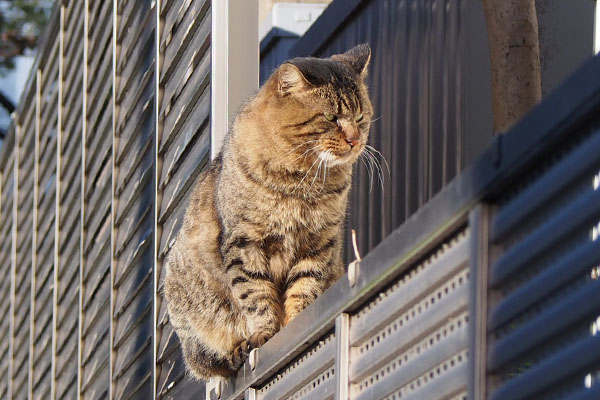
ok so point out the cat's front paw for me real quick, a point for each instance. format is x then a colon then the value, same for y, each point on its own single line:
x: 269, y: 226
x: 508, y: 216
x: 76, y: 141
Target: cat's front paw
x: 240, y: 354
x: 259, y: 338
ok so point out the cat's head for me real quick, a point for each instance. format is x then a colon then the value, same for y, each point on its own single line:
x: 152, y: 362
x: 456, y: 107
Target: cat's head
x: 322, y: 109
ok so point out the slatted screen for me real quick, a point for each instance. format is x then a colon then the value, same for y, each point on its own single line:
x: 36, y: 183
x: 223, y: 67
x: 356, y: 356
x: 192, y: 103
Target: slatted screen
x: 544, y: 317
x: 310, y: 376
x: 133, y: 201
x: 7, y: 194
x: 183, y: 150
x: 69, y: 202
x: 44, y: 223
x: 411, y: 340
x: 97, y: 184
x: 22, y: 290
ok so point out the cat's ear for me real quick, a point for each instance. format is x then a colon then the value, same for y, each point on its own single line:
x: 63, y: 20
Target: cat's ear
x: 291, y: 79
x: 357, y: 57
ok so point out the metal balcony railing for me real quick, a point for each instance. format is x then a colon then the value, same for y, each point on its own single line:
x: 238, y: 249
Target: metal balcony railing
x: 490, y: 290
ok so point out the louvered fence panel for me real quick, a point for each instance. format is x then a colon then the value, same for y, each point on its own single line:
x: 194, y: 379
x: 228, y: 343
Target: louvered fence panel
x: 543, y: 324
x: 134, y: 197
x: 310, y: 376
x: 69, y: 206
x: 25, y: 148
x: 97, y: 176
x: 7, y: 193
x: 184, y: 143
x: 411, y: 340
x: 44, y: 223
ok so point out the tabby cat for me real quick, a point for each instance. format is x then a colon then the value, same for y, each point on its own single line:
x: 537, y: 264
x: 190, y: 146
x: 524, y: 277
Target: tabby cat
x: 262, y: 233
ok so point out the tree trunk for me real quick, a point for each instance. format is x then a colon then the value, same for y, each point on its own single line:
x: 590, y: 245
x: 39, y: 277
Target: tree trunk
x: 514, y: 59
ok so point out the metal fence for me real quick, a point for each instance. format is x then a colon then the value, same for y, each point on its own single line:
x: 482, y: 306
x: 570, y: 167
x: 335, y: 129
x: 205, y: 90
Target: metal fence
x: 488, y: 292
x: 94, y: 177
x: 111, y: 132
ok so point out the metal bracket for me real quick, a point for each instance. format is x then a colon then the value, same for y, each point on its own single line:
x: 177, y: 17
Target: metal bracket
x: 353, y: 270
x: 214, y: 389
x: 354, y: 266
x: 253, y: 358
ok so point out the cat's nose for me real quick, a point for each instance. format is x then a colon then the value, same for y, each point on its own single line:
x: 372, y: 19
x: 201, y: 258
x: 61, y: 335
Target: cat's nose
x: 352, y: 142
x: 352, y: 136
x: 351, y: 133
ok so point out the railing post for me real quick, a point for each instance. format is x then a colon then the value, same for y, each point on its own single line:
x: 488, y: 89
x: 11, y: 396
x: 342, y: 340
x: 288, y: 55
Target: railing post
x: 113, y: 197
x: 86, y: 7
x: 13, y: 257
x: 250, y: 394
x: 342, y: 356
x: 157, y: 194
x: 479, y: 219
x: 234, y: 63
x: 57, y: 194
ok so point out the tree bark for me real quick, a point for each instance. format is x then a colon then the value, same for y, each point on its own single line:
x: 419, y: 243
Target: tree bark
x: 514, y: 59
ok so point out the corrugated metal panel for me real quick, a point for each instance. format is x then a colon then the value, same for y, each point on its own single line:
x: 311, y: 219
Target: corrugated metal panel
x: 7, y: 195
x: 416, y: 83
x: 69, y: 203
x: 183, y: 150
x: 97, y: 175
x: 543, y: 325
x: 134, y: 197
x: 25, y: 146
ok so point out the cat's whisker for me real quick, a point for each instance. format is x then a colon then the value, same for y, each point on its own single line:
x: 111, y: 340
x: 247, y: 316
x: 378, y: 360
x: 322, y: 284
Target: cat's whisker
x: 375, y: 119
x: 377, y: 164
x: 316, y: 174
x: 387, y: 166
x: 372, y: 165
x: 369, y: 173
x: 305, y: 175
x: 380, y: 174
x: 324, y: 173
x: 300, y: 145
x: 305, y: 154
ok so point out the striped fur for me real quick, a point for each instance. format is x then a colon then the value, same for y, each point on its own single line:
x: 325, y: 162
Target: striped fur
x: 262, y: 234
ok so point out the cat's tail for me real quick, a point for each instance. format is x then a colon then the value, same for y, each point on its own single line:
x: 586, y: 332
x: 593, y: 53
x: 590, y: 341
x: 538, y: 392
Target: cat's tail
x: 204, y: 364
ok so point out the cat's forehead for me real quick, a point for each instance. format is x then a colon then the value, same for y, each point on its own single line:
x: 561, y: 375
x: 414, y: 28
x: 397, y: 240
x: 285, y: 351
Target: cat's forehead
x: 320, y: 72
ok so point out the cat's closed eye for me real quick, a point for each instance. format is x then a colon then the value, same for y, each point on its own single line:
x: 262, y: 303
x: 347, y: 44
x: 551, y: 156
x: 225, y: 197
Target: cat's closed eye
x: 330, y: 117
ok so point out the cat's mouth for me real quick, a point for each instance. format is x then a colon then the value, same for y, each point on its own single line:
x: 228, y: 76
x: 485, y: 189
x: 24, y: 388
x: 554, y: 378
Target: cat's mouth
x: 337, y: 157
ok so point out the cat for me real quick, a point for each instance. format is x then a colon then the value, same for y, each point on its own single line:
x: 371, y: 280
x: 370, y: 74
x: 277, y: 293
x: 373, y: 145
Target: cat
x: 262, y: 233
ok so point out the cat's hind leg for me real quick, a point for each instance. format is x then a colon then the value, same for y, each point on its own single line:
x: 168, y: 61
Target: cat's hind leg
x: 207, y: 321
x: 203, y: 363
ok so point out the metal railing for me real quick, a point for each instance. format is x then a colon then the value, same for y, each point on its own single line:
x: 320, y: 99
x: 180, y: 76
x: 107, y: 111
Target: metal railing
x: 488, y: 291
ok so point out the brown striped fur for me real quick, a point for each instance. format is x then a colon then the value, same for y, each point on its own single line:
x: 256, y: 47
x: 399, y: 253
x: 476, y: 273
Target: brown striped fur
x: 262, y: 234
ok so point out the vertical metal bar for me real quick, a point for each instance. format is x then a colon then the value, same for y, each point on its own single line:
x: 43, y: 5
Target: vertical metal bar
x: 2, y: 177
x: 234, y: 62
x: 82, y: 199
x: 250, y: 394
x: 479, y: 262
x: 157, y: 130
x: 13, y: 259
x: 36, y: 168
x: 112, y: 200
x: 61, y: 38
x: 218, y: 74
x: 342, y: 356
